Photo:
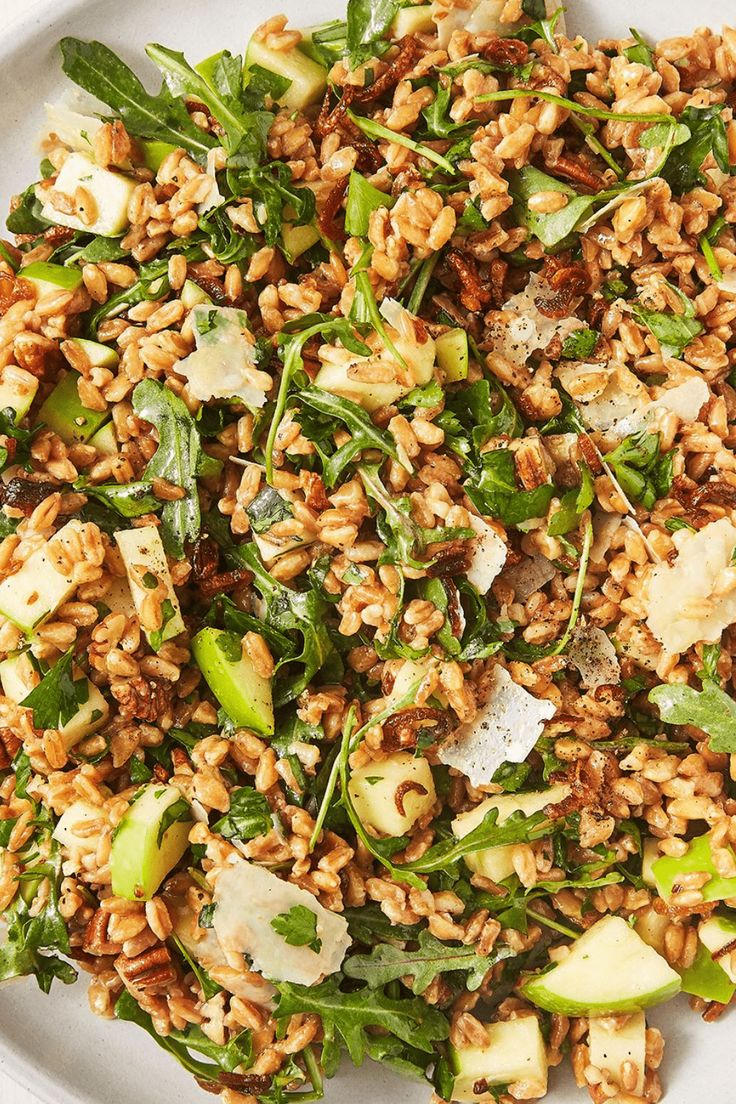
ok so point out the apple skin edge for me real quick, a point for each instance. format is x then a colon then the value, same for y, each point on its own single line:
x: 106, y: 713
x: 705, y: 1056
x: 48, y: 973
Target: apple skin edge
x: 536, y: 991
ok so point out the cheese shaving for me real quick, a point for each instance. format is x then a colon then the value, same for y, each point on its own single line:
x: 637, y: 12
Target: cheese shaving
x: 488, y: 556
x: 592, y: 653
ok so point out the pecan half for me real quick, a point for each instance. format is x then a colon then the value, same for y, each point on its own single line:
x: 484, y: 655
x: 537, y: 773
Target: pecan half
x: 505, y: 51
x: 473, y: 294
x: 147, y: 699
x: 151, y: 970
x: 96, y: 941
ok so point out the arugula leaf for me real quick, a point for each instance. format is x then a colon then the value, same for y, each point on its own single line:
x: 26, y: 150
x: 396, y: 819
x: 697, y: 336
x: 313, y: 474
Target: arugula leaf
x: 572, y: 105
x: 127, y: 499
x: 363, y: 198
x: 708, y: 135
x: 26, y: 218
x: 644, y: 474
x: 179, y: 1043
x: 298, y: 928
x: 580, y: 344
x: 552, y: 228
x: 492, y: 489
x: 327, y: 43
x: 574, y: 502
x: 674, y: 332
x: 99, y: 71
x: 710, y: 709
x: 58, y: 696
x: 535, y: 9
x: 363, y: 433
x: 706, y: 243
x: 267, y: 509
x: 440, y: 123
x: 641, y: 52
x: 21, y: 453
x: 431, y: 958
x: 349, y: 1015
x: 179, y: 459
x: 368, y: 21
x: 379, y: 132
x: 249, y: 816
x: 272, y: 191
x: 516, y: 829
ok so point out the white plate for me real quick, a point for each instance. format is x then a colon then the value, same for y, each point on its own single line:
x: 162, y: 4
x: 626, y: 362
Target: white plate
x: 54, y: 1045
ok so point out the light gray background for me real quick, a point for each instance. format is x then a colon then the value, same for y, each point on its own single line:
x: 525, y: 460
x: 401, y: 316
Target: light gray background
x: 74, y: 1048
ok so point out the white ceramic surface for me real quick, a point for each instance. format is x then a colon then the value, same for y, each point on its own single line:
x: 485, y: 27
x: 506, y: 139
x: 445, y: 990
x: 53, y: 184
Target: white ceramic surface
x: 53, y: 1046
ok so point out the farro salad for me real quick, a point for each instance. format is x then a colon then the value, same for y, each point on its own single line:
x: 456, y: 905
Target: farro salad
x: 368, y: 559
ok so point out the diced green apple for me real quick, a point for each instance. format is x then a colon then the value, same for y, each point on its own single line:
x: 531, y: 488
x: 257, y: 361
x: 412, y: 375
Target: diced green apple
x: 650, y: 854
x: 18, y: 676
x: 298, y: 239
x: 109, y: 193
x: 155, y: 153
x: 652, y: 926
x: 105, y: 440
x: 63, y: 412
x: 719, y: 935
x: 614, y: 1046
x: 70, y: 830
x: 17, y: 390
x: 48, y: 278
x: 32, y: 594
x: 698, y: 858
x: 414, y: 19
x: 707, y: 979
x: 149, y: 841
x: 496, y: 863
x: 98, y: 355
x: 308, y: 79
x: 609, y: 969
x: 147, y: 567
x: 515, y: 1052
x: 374, y: 789
x: 371, y: 396
x: 192, y: 296
x: 452, y: 354
x: 245, y: 695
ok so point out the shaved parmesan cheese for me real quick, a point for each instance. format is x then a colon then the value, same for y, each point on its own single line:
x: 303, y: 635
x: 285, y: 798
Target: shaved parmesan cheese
x: 474, y: 16
x: 488, y: 558
x: 727, y: 282
x: 604, y: 394
x: 203, y: 946
x: 248, y: 897
x: 214, y: 197
x: 593, y: 654
x: 526, y: 329
x: 622, y: 197
x: 685, y: 400
x: 75, y: 130
x: 605, y: 527
x: 529, y: 576
x: 694, y: 598
x: 505, y: 731
x: 223, y: 365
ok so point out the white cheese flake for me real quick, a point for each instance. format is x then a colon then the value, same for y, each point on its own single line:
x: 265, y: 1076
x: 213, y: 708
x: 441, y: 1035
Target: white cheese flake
x: 504, y: 731
x: 529, y: 576
x: 605, y: 394
x: 248, y: 897
x: 223, y: 365
x: 685, y: 400
x: 214, y: 197
x: 694, y: 598
x: 521, y: 328
x: 488, y: 556
x: 592, y: 653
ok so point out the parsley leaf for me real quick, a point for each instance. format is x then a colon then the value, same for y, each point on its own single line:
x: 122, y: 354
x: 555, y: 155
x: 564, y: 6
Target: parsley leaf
x: 641, y: 51
x: 58, y: 696
x: 249, y: 816
x: 298, y: 928
x: 572, y: 505
x: 431, y: 958
x: 99, y: 71
x: 179, y: 459
x: 580, y: 344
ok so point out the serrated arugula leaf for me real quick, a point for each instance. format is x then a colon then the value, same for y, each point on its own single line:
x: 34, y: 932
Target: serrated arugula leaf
x: 429, y: 960
x: 179, y: 458
x: 127, y: 499
x: 99, y: 71
x: 491, y: 487
x: 516, y: 829
x: 683, y: 169
x: 710, y: 709
x: 225, y: 1059
x: 573, y: 503
x: 674, y: 332
x: 26, y: 218
x: 58, y: 696
x: 349, y: 1015
x: 552, y: 228
x: 298, y: 928
x: 267, y: 509
x: 368, y: 21
x: 644, y: 473
x: 363, y: 433
x: 249, y: 816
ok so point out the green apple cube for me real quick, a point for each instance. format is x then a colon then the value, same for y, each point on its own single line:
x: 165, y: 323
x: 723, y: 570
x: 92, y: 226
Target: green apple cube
x: 155, y: 153
x: 298, y: 239
x: 371, y: 396
x: 706, y: 978
x: 99, y: 355
x: 105, y: 440
x: 70, y: 830
x: 47, y: 277
x: 650, y: 854
x: 32, y: 594
x: 414, y: 19
x: 17, y: 390
x: 246, y: 696
x: 308, y: 79
x: 719, y: 935
x: 496, y: 863
x: 652, y: 926
x: 147, y: 568
x: 609, y: 969
x: 110, y: 193
x: 613, y: 1046
x: 452, y: 354
x: 192, y: 296
x: 698, y: 858
x: 19, y: 676
x: 65, y: 415
x: 515, y: 1052
x: 149, y: 841
x: 374, y: 788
